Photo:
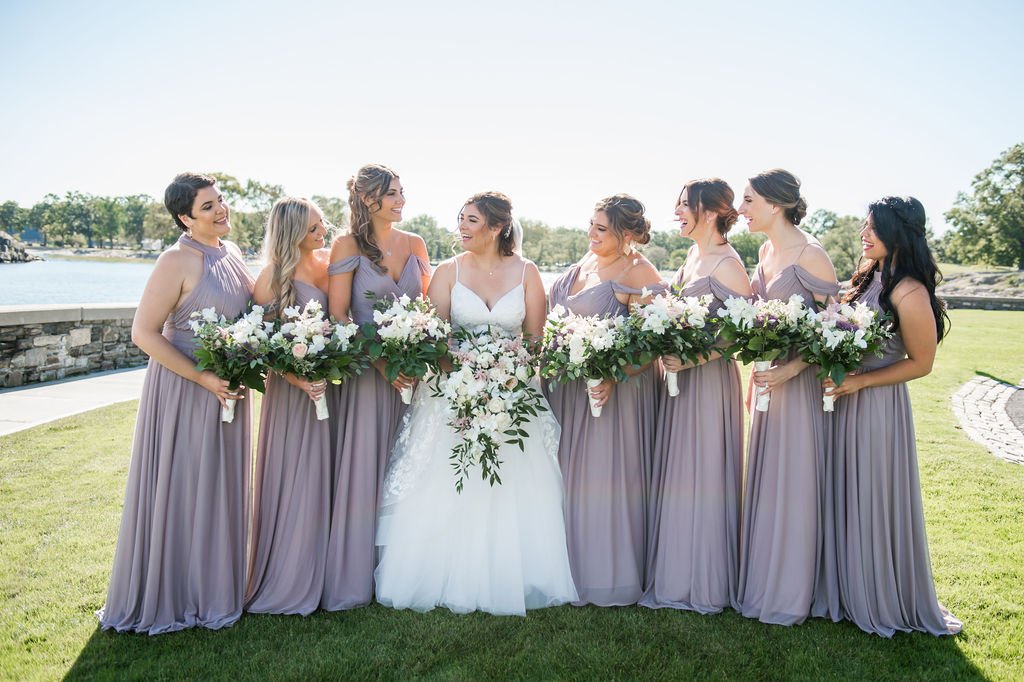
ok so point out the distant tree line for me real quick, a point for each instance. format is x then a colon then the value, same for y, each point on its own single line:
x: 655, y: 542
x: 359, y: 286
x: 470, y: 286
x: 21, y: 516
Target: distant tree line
x: 988, y: 224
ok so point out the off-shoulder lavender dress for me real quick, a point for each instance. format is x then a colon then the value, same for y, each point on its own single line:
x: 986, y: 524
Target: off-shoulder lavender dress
x: 783, y: 530
x: 180, y: 557
x: 885, y: 573
x: 365, y: 413
x: 292, y: 497
x: 693, y: 552
x: 606, y: 465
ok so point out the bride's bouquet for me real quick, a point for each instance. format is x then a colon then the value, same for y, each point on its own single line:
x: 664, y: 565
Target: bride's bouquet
x: 234, y: 351
x: 592, y: 348
x: 309, y: 345
x: 839, y: 338
x: 410, y: 336
x: 762, y: 330
x: 671, y: 325
x: 489, y: 398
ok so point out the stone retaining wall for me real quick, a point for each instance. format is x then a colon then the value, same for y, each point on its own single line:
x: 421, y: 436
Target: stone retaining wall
x: 983, y: 302
x: 47, y: 342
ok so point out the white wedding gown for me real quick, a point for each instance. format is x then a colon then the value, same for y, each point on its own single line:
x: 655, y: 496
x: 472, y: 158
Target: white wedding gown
x: 497, y: 549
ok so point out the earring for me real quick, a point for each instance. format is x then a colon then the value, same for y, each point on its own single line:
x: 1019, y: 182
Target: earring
x: 188, y: 232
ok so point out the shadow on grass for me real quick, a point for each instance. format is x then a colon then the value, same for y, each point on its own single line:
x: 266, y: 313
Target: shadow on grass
x: 563, y: 642
x: 979, y: 373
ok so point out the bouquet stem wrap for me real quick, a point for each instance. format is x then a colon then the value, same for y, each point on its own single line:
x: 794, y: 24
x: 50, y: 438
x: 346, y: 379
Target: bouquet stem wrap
x: 407, y: 395
x: 828, y: 402
x: 672, y: 383
x: 227, y: 412
x: 761, y: 393
x: 595, y: 410
x: 321, y: 408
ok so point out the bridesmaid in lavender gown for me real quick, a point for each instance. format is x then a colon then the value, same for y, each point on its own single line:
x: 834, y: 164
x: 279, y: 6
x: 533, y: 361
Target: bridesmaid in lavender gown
x: 180, y: 557
x: 782, y: 552
x: 378, y: 258
x: 606, y: 460
x: 693, y: 551
x: 291, y: 502
x: 885, y: 573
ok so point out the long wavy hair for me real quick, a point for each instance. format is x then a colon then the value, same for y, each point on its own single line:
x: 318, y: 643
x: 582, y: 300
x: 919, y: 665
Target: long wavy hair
x: 900, y: 223
x: 370, y: 182
x: 287, y: 226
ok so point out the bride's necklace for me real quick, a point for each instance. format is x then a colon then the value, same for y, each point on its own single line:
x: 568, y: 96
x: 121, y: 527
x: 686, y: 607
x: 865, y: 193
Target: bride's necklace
x: 488, y: 269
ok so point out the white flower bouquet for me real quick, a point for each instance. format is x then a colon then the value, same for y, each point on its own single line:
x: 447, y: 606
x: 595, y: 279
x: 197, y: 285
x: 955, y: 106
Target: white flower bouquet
x: 671, y: 325
x: 234, y: 351
x: 592, y: 348
x: 839, y: 338
x: 310, y: 345
x: 489, y: 398
x: 409, y: 335
x: 761, y: 331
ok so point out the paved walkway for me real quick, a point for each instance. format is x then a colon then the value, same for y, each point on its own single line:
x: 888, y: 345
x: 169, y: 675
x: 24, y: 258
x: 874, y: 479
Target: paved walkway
x: 980, y: 405
x: 23, y: 408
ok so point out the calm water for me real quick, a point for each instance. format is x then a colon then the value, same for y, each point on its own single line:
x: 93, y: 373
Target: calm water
x: 79, y: 281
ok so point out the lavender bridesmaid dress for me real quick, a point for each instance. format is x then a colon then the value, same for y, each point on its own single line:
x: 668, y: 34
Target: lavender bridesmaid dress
x: 884, y: 571
x: 292, y: 499
x: 365, y: 412
x: 180, y: 557
x: 693, y: 551
x: 783, y: 531
x: 606, y: 465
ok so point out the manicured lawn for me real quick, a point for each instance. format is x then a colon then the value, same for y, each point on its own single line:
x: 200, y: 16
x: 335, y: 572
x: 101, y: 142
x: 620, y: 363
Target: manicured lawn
x: 61, y: 488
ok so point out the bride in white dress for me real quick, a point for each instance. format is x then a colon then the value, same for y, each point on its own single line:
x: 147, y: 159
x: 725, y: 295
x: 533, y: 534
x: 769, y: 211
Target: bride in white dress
x: 497, y: 549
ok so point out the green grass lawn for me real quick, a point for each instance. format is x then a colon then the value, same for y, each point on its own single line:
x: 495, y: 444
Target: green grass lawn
x: 61, y: 489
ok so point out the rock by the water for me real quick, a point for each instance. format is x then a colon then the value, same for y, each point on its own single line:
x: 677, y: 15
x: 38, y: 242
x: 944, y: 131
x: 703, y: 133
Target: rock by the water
x: 13, y: 251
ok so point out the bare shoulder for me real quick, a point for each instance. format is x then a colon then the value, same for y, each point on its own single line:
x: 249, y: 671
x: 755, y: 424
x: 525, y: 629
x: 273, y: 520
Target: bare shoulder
x: 815, y: 260
x: 343, y: 246
x: 178, y: 258
x: 733, y: 275
x: 642, y: 273
x: 911, y: 291
x: 417, y: 245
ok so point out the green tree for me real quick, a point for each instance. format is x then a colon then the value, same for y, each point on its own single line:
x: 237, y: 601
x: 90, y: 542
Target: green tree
x: 820, y: 222
x: 335, y: 212
x: 12, y: 217
x: 658, y: 255
x: 438, y: 240
x: 108, y: 219
x: 747, y: 244
x: 989, y: 222
x: 134, y: 209
x: 842, y: 242
x: 158, y: 224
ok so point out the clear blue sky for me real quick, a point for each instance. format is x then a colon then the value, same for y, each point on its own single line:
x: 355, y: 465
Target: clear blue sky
x: 555, y: 104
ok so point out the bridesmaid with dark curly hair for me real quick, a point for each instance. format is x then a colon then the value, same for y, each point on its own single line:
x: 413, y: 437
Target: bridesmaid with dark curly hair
x: 885, y: 574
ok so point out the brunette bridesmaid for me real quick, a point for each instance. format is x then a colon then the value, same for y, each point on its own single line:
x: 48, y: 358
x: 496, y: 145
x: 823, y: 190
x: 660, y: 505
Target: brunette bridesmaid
x: 292, y: 503
x: 379, y: 259
x: 693, y: 553
x: 885, y: 574
x: 784, y: 526
x: 180, y: 557
x: 606, y: 460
